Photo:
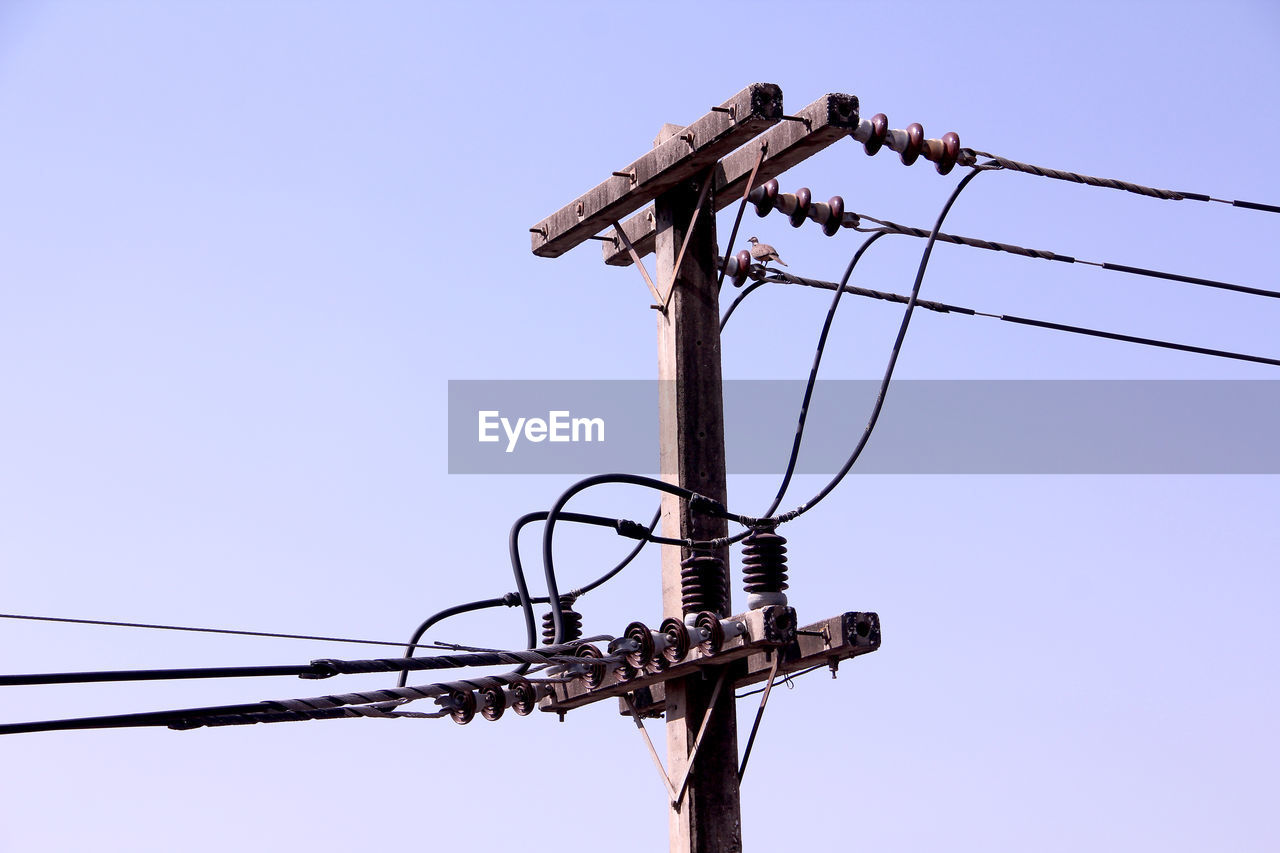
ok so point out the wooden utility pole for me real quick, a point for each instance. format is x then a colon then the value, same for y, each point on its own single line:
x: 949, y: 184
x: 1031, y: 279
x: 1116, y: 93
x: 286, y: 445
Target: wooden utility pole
x: 688, y: 182
x: 691, y: 453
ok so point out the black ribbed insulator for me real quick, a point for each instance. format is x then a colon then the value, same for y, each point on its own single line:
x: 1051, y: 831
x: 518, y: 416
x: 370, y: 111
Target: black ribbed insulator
x: 572, y: 623
x: 703, y: 583
x: 764, y: 562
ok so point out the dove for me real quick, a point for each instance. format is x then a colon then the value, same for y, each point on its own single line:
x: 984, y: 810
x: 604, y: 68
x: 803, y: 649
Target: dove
x: 763, y: 252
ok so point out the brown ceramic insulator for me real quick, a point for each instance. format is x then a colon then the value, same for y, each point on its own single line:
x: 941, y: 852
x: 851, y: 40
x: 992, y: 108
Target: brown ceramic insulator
x: 836, y: 205
x: 595, y: 672
x: 712, y: 632
x: 950, y: 152
x: 464, y: 706
x: 742, y: 263
x: 644, y: 653
x: 677, y: 647
x: 768, y: 197
x: 879, y: 130
x: 803, y: 199
x: 915, y: 143
x: 492, y: 703
x: 524, y: 697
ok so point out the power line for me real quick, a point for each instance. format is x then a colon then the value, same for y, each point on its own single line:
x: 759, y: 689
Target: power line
x: 945, y: 308
x: 1112, y: 183
x: 102, y: 622
x: 1041, y: 254
x: 911, y: 303
x: 317, y: 669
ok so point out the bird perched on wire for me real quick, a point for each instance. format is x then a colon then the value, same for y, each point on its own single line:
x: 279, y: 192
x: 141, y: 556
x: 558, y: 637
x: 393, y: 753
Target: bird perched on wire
x: 763, y: 252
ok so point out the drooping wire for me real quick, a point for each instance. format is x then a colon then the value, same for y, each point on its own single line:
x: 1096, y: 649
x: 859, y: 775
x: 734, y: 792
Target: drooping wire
x: 317, y: 669
x: 1041, y: 254
x: 813, y: 379
x: 523, y: 586
x: 776, y: 277
x: 103, y: 622
x: 1112, y: 183
x: 521, y: 597
x: 369, y: 703
x: 893, y: 355
x: 697, y: 503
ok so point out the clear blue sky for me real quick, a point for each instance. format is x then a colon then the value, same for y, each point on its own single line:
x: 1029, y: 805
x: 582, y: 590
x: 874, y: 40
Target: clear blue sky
x: 244, y: 246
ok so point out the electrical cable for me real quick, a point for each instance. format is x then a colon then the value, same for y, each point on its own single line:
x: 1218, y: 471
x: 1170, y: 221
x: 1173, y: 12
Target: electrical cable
x: 813, y: 379
x: 776, y: 277
x: 781, y: 679
x: 1111, y: 183
x: 522, y: 598
x: 893, y: 355
x: 895, y: 228
x: 697, y: 503
x: 317, y: 669
x: 103, y: 622
x: 277, y: 710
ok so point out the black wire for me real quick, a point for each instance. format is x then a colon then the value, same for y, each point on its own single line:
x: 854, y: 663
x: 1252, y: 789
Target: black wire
x: 893, y: 355
x: 1044, y: 255
x: 813, y: 378
x: 157, y: 674
x: 946, y: 308
x: 1132, y: 339
x: 780, y: 680
x: 1112, y: 183
x: 548, y: 532
x: 747, y: 291
x: 456, y: 610
x: 513, y: 544
x: 206, y: 630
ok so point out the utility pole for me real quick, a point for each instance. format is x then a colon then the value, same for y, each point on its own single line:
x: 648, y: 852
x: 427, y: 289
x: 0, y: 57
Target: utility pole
x: 691, y: 454
x: 688, y: 182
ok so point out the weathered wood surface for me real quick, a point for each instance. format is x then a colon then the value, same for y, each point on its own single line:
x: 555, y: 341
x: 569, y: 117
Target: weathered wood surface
x: 679, y: 158
x: 828, y: 119
x: 691, y: 453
